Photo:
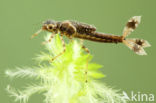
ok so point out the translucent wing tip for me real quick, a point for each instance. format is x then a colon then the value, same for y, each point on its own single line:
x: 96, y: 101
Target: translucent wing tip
x: 136, y: 18
x: 139, y: 50
x: 146, y: 44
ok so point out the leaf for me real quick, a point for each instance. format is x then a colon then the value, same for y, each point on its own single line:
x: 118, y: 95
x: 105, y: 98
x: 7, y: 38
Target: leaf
x: 64, y: 79
x: 94, y: 66
x: 95, y: 75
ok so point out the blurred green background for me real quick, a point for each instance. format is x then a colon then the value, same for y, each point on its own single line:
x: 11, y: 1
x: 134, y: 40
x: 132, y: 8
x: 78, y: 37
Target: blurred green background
x: 19, y: 19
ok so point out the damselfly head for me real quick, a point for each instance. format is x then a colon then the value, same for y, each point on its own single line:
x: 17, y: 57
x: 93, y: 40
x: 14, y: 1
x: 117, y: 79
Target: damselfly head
x: 49, y: 25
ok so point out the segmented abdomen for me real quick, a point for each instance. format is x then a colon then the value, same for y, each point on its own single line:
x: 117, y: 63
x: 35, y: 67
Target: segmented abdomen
x: 100, y: 37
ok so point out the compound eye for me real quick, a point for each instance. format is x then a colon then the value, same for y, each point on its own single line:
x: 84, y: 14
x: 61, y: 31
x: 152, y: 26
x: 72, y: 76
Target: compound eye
x: 50, y: 27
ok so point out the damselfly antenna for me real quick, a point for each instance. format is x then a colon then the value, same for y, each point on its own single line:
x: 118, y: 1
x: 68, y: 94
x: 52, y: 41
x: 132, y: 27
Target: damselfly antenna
x: 36, y: 33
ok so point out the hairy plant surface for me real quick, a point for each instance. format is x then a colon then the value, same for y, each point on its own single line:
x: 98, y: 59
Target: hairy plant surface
x: 63, y: 80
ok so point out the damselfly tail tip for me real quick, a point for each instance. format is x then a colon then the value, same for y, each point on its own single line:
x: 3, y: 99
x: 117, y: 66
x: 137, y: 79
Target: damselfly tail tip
x: 137, y: 45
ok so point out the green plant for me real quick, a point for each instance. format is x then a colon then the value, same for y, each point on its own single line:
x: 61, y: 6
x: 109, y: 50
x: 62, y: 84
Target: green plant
x: 63, y: 80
